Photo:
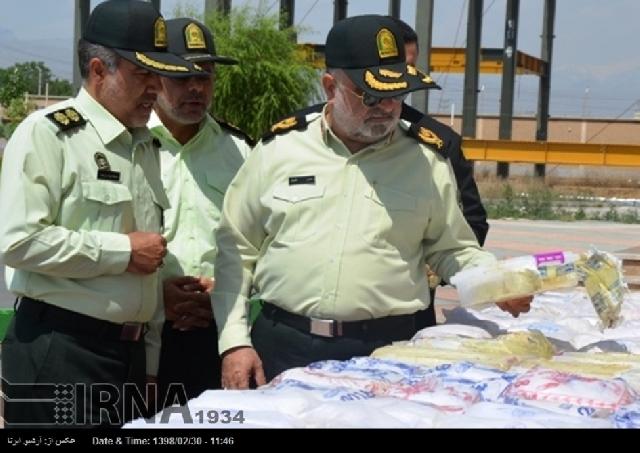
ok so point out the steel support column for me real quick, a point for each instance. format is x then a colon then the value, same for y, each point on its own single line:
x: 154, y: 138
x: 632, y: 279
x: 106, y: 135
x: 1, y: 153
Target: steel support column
x: 508, y: 78
x: 424, y: 27
x: 544, y: 90
x: 472, y: 69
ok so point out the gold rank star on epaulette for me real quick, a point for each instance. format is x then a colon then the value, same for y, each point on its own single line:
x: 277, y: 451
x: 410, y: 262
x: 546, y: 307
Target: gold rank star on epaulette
x: 426, y: 135
x: 284, y: 125
x: 66, y: 118
x: 297, y: 122
x: 429, y: 137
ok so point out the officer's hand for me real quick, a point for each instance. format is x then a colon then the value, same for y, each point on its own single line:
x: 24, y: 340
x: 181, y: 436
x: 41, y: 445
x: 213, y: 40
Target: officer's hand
x: 516, y: 306
x: 192, y: 314
x: 191, y: 295
x: 147, y: 252
x: 239, y: 365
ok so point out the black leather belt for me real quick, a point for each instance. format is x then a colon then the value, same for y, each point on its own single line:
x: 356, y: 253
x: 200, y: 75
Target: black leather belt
x: 392, y: 328
x: 70, y: 321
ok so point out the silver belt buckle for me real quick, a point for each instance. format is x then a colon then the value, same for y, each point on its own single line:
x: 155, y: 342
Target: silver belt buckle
x: 326, y: 327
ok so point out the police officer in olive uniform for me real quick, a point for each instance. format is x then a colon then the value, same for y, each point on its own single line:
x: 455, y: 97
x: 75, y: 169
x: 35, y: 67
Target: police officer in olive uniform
x: 331, y: 220
x: 83, y: 204
x: 199, y: 155
x: 469, y: 197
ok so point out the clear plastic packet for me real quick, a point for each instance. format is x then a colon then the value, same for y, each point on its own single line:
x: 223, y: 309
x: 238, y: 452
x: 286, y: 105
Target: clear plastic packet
x: 516, y: 277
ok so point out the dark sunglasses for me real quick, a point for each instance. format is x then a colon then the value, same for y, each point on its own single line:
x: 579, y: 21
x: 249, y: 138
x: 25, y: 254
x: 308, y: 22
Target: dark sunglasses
x: 369, y: 100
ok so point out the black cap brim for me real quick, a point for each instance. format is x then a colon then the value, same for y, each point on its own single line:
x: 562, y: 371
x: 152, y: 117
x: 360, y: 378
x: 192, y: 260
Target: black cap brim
x: 206, y: 58
x: 391, y: 80
x: 162, y: 63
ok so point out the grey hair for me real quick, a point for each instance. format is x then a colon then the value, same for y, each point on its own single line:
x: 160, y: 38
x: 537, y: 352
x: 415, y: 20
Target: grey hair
x: 88, y: 50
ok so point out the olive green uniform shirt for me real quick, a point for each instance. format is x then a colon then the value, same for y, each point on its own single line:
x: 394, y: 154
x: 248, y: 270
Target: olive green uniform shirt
x: 63, y: 235
x: 324, y: 233
x: 195, y: 177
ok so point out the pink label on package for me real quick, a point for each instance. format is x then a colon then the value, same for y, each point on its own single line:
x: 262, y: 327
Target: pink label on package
x: 549, y: 257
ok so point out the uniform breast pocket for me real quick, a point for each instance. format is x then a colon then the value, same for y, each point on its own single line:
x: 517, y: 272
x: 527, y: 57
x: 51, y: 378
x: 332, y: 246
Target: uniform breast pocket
x: 109, y: 206
x: 391, y: 218
x: 299, y: 206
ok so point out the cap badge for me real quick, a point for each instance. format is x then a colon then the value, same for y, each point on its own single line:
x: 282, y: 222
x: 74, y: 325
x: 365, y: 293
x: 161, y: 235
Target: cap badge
x: 194, y: 37
x: 429, y: 137
x: 379, y: 85
x: 386, y: 41
x: 101, y: 161
x: 160, y: 33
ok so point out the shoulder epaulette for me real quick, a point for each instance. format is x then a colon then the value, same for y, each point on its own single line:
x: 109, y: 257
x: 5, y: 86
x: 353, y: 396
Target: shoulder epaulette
x: 297, y: 122
x: 234, y: 130
x: 66, y: 118
x: 433, y: 133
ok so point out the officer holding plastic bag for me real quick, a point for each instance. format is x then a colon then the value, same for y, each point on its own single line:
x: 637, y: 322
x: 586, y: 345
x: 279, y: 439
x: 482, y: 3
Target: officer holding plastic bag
x: 330, y: 220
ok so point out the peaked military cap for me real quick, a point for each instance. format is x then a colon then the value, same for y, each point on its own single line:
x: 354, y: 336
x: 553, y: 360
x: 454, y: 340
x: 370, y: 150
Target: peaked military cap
x: 370, y: 49
x: 136, y: 31
x: 193, y: 41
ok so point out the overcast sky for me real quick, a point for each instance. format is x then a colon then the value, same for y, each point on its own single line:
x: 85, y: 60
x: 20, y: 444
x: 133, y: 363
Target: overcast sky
x: 596, y: 61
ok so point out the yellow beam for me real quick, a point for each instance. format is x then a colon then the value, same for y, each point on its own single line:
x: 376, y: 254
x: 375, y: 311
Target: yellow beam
x: 453, y: 59
x: 552, y: 153
x: 445, y: 59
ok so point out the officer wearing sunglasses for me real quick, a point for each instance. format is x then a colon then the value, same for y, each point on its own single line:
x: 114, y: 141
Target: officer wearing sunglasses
x: 331, y: 220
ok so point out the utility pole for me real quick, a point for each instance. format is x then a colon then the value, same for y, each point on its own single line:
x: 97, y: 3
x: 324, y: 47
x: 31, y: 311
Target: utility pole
x: 424, y: 27
x: 39, y: 80
x: 339, y: 10
x: 286, y: 13
x: 544, y: 90
x: 508, y: 78
x: 81, y: 16
x: 394, y: 8
x: 220, y: 6
x: 472, y: 69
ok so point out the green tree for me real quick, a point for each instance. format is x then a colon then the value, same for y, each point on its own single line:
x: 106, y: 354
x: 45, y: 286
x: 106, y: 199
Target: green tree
x: 25, y: 77
x: 16, y: 111
x: 272, y: 79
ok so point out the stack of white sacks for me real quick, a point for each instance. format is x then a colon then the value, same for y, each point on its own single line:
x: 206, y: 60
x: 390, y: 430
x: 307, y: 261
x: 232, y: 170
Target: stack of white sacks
x: 553, y: 367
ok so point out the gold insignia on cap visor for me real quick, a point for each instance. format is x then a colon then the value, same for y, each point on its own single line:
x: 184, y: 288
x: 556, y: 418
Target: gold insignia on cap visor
x: 391, y: 74
x: 412, y: 70
x: 142, y: 58
x: 194, y: 37
x: 429, y: 137
x: 379, y: 85
x: 386, y: 44
x: 160, y: 33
